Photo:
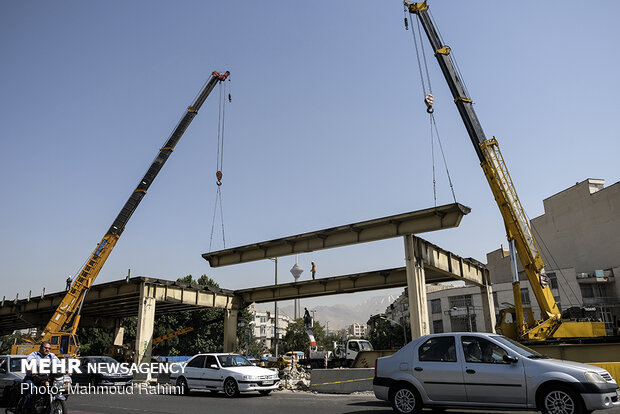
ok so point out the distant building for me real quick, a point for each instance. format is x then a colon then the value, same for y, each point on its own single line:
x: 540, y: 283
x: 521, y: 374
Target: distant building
x: 263, y: 326
x: 357, y: 330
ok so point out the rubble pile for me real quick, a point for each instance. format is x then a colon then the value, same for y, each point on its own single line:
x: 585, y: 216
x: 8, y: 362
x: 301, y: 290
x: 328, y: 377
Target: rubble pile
x: 295, y: 378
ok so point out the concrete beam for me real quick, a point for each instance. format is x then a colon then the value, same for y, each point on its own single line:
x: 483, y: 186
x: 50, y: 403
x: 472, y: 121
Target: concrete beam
x: 421, y: 221
x: 144, y: 333
x: 416, y: 286
x: 230, y: 330
x: 439, y: 266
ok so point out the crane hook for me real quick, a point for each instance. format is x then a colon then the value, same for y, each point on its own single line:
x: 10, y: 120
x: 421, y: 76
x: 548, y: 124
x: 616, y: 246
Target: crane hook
x: 406, y: 24
x: 428, y: 100
x: 218, y: 175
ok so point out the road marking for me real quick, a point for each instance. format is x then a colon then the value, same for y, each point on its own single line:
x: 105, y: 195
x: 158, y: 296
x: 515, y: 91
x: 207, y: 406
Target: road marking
x: 341, y: 382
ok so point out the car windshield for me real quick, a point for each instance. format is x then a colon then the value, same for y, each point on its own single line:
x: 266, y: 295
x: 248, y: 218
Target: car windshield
x: 16, y: 364
x: 101, y: 360
x: 365, y: 346
x: 233, y: 360
x: 519, y: 348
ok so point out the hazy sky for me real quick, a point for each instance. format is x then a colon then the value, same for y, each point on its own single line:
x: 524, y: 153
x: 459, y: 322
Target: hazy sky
x: 327, y: 127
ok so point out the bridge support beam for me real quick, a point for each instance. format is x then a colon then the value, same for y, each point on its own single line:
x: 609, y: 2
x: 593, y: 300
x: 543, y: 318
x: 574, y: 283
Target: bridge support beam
x: 488, y: 307
x: 144, y: 334
x: 416, y: 286
x: 119, y: 332
x: 230, y: 330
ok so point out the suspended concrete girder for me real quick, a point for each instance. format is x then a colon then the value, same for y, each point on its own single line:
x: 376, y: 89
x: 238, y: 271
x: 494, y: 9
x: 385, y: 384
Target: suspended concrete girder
x: 421, y: 221
x: 439, y: 266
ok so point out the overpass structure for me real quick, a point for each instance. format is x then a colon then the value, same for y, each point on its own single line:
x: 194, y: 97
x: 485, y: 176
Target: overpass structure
x: 424, y: 263
x: 105, y: 304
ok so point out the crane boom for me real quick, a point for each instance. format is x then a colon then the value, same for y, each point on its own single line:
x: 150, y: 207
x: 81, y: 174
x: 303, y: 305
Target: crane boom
x: 517, y: 226
x: 65, y: 319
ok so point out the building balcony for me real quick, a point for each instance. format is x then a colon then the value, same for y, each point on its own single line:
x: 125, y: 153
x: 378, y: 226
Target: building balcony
x: 601, y: 301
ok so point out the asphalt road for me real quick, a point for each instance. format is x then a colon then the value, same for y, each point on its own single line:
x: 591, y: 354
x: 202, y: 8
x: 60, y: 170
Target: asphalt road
x: 204, y: 401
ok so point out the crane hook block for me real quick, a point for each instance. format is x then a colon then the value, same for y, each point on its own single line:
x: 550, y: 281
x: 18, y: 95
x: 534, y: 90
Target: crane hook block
x: 218, y: 175
x: 428, y: 100
x: 406, y: 24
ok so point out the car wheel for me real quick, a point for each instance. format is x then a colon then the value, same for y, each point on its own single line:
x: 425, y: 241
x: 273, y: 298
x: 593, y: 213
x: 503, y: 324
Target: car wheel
x: 264, y: 392
x: 231, y: 389
x: 560, y: 400
x: 405, y: 399
x: 182, y: 382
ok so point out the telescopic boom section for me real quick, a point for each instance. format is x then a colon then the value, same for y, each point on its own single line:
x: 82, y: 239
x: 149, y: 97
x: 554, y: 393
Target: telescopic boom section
x: 492, y: 162
x: 66, y: 316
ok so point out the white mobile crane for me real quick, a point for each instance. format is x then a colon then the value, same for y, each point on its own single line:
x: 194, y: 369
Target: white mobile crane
x: 518, y: 229
x: 61, y: 328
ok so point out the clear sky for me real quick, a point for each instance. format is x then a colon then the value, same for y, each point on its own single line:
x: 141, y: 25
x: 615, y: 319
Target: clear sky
x: 327, y: 127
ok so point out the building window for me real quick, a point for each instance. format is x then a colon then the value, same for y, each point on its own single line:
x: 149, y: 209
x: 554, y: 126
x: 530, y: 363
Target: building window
x: 460, y: 301
x: 525, y: 296
x: 586, y: 291
x: 263, y: 319
x: 436, y: 306
x: 438, y: 326
x: 495, y: 300
x: 553, y: 280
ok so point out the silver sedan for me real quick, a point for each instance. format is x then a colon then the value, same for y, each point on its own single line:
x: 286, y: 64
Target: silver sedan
x: 488, y: 371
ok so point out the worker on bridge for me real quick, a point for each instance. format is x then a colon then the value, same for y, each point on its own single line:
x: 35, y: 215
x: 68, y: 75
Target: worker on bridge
x: 313, y: 270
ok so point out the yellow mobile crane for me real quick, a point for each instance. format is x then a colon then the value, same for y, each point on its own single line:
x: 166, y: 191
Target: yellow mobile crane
x: 61, y: 328
x: 518, y: 230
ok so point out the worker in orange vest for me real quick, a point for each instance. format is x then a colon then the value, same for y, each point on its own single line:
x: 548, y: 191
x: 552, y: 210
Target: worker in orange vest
x: 313, y: 270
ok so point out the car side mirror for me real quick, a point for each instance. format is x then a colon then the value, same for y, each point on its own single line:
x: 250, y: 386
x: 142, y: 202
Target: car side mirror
x: 214, y: 366
x: 510, y: 359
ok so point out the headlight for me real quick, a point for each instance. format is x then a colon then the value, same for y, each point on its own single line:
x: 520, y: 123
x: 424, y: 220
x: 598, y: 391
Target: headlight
x: 594, y: 377
x: 248, y: 377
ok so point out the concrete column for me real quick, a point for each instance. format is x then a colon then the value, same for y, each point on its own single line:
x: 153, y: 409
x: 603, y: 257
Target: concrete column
x: 230, y: 330
x: 144, y: 334
x: 119, y: 331
x: 416, y: 284
x: 488, y: 307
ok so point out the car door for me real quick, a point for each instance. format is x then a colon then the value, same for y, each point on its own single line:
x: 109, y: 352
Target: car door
x: 437, y: 368
x: 212, y: 377
x: 488, y: 377
x: 352, y: 350
x: 81, y: 377
x: 194, y: 371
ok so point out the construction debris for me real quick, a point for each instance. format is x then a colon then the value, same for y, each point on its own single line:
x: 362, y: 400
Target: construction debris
x: 294, y: 377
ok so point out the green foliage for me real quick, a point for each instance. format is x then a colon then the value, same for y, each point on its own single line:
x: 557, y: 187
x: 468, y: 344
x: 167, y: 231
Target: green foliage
x: 386, y: 335
x: 296, y: 337
x: 6, y: 341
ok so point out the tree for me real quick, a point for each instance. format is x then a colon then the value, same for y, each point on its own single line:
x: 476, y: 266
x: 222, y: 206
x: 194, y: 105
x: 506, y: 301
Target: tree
x: 296, y: 336
x: 386, y: 335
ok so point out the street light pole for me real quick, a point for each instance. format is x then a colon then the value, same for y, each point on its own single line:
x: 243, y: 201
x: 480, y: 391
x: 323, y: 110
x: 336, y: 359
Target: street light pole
x: 275, y: 329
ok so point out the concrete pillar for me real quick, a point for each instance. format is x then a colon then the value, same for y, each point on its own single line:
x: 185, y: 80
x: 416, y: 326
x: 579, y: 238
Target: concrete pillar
x: 230, y: 330
x: 144, y: 334
x: 416, y: 284
x: 488, y: 307
x: 119, y: 331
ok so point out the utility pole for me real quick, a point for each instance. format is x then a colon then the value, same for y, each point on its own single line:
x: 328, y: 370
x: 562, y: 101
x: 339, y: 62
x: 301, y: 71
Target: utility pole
x: 275, y: 329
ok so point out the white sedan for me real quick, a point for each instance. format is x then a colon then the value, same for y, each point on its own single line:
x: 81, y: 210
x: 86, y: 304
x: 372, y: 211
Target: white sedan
x: 231, y: 373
